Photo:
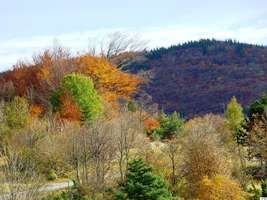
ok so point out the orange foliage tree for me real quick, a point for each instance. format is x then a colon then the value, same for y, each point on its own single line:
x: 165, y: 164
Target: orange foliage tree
x: 36, y: 111
x: 70, y: 110
x: 110, y: 82
x: 151, y: 124
x: 40, y: 79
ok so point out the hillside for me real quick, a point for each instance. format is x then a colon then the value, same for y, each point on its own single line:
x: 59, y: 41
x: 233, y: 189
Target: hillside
x: 201, y: 77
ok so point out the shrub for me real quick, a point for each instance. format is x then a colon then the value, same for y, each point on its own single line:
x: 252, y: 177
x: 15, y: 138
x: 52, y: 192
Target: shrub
x: 255, y: 192
x: 264, y: 188
x: 220, y: 188
x: 73, y: 194
x: 17, y: 112
x: 52, y: 175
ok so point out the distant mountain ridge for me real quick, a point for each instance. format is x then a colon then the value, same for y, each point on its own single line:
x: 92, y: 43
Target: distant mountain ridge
x: 200, y: 77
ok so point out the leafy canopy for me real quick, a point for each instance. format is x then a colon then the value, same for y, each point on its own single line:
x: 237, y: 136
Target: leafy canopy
x: 45, y: 75
x: 236, y: 120
x: 81, y: 89
x: 111, y: 82
x: 234, y: 114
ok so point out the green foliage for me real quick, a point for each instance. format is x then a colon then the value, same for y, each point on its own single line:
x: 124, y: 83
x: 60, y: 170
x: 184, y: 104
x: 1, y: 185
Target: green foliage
x: 264, y: 188
x: 241, y: 134
x: 52, y: 175
x: 258, y: 107
x: 81, y: 88
x: 234, y: 114
x: 255, y: 192
x: 55, y: 100
x: 73, y: 194
x: 16, y: 112
x: 141, y: 184
x: 169, y: 125
x: 131, y: 106
x: 236, y: 120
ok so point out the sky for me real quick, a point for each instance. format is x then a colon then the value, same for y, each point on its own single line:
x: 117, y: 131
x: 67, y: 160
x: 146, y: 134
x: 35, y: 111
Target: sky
x: 30, y: 26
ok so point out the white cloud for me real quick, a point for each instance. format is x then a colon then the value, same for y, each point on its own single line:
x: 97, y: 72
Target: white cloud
x: 23, y: 48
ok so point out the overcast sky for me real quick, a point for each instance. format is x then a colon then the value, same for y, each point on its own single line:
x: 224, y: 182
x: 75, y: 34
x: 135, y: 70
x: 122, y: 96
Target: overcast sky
x: 28, y: 26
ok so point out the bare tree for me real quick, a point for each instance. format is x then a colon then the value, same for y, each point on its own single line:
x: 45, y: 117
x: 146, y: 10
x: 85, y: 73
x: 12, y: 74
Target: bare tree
x: 91, y: 151
x: 73, y: 150
x: 129, y: 135
x: 102, y: 151
x: 118, y: 42
x: 172, y: 150
x: 7, y: 90
x: 119, y: 48
x: 19, y: 182
x: 56, y: 61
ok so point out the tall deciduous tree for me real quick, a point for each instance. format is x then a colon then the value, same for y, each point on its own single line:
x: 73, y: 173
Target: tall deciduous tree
x: 81, y: 89
x: 203, y: 155
x: 234, y: 114
x: 109, y: 81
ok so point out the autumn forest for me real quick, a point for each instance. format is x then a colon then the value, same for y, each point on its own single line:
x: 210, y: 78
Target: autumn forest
x: 184, y: 122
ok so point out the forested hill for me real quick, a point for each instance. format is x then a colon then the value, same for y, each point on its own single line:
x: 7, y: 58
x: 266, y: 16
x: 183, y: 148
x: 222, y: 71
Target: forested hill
x: 200, y: 77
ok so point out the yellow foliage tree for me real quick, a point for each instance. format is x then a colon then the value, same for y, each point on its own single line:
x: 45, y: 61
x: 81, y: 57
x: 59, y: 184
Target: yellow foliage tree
x: 220, y: 188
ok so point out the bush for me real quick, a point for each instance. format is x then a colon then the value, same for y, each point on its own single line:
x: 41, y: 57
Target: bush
x: 52, y: 175
x: 17, y: 112
x: 73, y: 194
x: 255, y: 192
x: 264, y: 188
x: 220, y: 188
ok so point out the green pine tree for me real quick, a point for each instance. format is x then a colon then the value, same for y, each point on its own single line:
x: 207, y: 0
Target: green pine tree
x: 141, y: 184
x: 169, y: 125
x: 258, y: 107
